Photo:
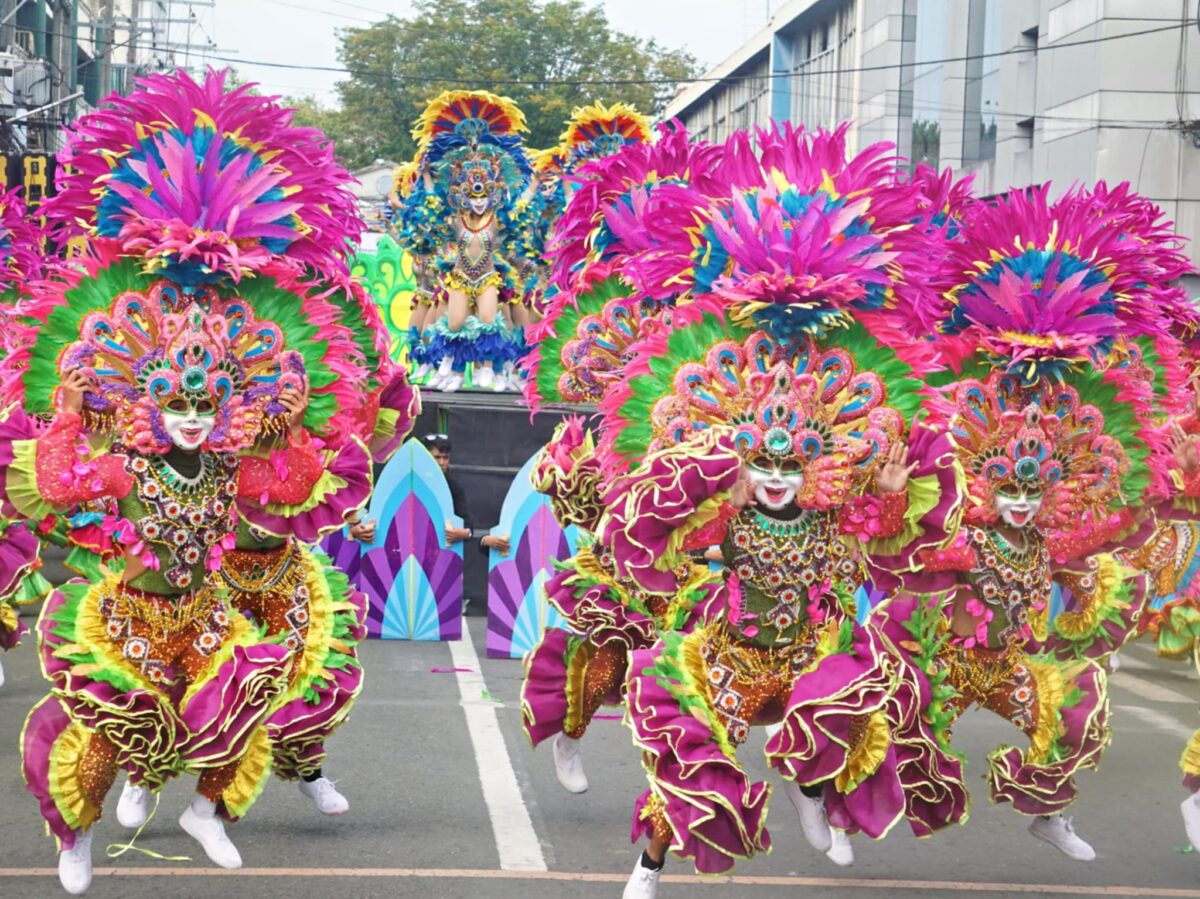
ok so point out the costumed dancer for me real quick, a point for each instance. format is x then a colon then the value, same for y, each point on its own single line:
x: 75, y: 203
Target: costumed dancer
x: 182, y: 370
x: 1056, y: 437
x: 21, y: 582
x: 768, y: 379
x: 472, y: 158
x: 592, y: 321
x: 417, y: 215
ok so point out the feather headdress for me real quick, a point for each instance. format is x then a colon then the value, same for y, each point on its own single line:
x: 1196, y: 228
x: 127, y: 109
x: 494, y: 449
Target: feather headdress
x: 204, y: 183
x: 598, y: 130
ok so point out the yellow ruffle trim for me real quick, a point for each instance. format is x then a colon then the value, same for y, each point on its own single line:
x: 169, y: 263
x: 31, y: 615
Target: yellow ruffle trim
x: 385, y: 423
x: 924, y: 493
x: 21, y: 482
x: 9, y: 621
x: 1077, y: 625
x: 254, y: 770
x: 867, y: 753
x: 1189, y: 762
x: 66, y: 761
x: 576, y: 675
x: 1051, y: 693
x: 695, y: 673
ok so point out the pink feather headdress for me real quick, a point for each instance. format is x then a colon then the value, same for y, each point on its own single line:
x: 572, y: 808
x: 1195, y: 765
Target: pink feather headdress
x: 204, y: 182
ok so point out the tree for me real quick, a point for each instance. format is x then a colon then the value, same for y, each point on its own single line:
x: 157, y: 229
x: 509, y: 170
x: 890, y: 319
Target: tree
x: 395, y: 66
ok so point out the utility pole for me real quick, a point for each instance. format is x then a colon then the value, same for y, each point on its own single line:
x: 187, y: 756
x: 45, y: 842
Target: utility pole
x: 135, y: 18
x: 106, y: 45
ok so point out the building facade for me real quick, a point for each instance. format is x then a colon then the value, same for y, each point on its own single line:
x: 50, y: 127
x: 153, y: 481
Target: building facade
x: 1015, y: 92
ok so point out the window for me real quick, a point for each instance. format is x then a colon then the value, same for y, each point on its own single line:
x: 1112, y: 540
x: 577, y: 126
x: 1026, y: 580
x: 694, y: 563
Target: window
x: 821, y: 88
x: 927, y: 81
x: 981, y: 100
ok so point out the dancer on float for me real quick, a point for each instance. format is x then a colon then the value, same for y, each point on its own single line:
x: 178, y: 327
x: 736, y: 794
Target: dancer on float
x: 1056, y: 436
x: 472, y: 158
x: 181, y: 367
x: 418, y: 213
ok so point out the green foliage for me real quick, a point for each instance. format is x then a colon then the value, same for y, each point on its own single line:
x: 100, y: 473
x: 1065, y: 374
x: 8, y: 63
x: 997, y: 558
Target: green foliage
x: 397, y: 65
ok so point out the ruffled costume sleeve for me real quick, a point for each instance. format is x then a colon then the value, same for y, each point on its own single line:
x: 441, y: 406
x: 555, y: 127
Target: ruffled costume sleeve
x: 56, y: 471
x: 392, y: 412
x: 908, y: 532
x: 306, y: 491
x: 653, y: 511
x: 568, y: 473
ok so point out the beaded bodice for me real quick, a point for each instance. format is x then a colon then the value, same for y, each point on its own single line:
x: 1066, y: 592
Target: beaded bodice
x: 777, y: 561
x: 180, y: 518
x: 474, y: 255
x: 1012, y: 581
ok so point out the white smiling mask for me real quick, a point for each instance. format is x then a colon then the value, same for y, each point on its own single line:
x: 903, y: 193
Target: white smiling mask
x: 1018, y: 511
x: 774, y: 488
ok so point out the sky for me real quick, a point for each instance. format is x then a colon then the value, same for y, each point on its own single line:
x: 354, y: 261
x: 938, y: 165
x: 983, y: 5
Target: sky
x: 303, y: 31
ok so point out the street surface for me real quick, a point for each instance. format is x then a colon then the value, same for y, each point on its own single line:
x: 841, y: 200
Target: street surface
x: 447, y: 800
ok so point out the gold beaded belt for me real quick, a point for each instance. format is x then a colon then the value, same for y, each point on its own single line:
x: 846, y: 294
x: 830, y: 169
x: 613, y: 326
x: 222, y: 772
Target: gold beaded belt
x: 261, y: 570
x: 164, y: 614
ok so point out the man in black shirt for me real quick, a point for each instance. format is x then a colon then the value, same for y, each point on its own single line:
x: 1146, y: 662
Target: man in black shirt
x: 439, y: 447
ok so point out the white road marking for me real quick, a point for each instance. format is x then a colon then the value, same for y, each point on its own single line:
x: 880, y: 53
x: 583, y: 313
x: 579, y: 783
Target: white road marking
x: 1158, y: 720
x: 1145, y: 689
x: 516, y: 840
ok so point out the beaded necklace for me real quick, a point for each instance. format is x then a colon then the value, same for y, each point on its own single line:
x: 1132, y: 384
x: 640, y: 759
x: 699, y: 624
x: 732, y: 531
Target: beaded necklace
x: 1017, y: 581
x: 185, y: 516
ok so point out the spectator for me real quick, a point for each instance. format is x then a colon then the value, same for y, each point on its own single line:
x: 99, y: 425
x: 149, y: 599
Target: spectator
x: 439, y: 447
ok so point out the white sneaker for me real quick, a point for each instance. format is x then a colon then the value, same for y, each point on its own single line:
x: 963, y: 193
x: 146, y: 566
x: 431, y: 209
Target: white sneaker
x: 643, y: 882
x: 451, y: 383
x: 210, y: 834
x: 1059, y: 832
x: 485, y: 377
x: 568, y: 766
x: 1114, y: 662
x: 133, y: 806
x: 75, y: 865
x: 1, y: 674
x: 841, y: 852
x: 445, y: 367
x: 325, y: 796
x: 421, y: 371
x: 812, y: 817
x: 500, y: 384
x: 1191, y: 819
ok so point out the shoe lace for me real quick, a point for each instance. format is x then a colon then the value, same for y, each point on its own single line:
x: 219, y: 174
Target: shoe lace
x: 1069, y: 825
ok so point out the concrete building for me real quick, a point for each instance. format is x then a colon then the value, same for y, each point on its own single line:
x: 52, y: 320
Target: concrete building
x: 1017, y: 92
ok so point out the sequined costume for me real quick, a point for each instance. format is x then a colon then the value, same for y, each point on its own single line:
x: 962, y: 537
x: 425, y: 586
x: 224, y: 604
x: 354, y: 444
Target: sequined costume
x: 1056, y: 436
x: 181, y: 369
x: 762, y: 353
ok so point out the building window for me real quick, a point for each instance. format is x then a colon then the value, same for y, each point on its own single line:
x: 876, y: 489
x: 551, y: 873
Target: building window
x: 821, y: 87
x: 981, y: 100
x: 929, y: 44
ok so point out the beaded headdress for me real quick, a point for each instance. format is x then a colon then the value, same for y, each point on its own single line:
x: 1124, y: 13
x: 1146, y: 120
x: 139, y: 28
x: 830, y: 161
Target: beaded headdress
x: 471, y: 140
x: 781, y: 402
x: 1043, y: 440
x: 204, y: 212
x: 599, y: 130
x: 152, y: 350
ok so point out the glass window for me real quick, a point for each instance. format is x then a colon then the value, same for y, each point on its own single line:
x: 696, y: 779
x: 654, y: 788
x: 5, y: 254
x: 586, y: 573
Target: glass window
x: 928, y: 77
x: 981, y: 101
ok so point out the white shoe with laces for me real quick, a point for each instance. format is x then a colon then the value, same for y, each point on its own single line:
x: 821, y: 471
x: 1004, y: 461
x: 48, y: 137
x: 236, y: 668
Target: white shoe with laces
x: 209, y: 832
x: 643, y: 882
x: 485, y: 377
x: 1191, y: 819
x: 451, y: 383
x: 568, y: 765
x: 812, y: 817
x: 1059, y: 832
x: 134, y: 805
x: 325, y: 796
x: 75, y: 865
x: 841, y: 852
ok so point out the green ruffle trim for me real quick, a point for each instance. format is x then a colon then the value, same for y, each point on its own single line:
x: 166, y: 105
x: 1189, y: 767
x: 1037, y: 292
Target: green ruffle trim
x: 677, y: 669
x: 385, y: 423
x: 33, y: 589
x: 100, y: 667
x: 21, y: 482
x: 924, y: 493
x: 928, y: 630
x: 327, y: 485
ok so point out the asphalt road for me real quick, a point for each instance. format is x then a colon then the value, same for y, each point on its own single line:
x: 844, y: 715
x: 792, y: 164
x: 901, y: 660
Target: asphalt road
x: 448, y: 800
